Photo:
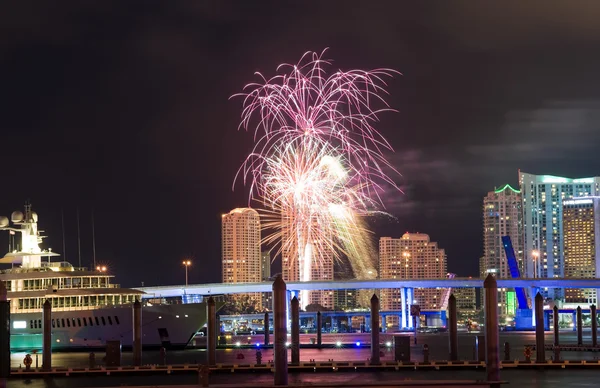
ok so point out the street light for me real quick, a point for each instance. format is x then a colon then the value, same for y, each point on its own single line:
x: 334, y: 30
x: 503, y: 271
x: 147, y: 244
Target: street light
x: 536, y: 255
x: 186, y: 264
x: 101, y: 268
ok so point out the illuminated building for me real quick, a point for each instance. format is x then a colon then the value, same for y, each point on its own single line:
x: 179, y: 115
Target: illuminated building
x: 265, y: 275
x: 501, y: 217
x: 241, y: 256
x: 265, y: 265
x: 543, y: 197
x: 346, y: 299
x: 466, y: 302
x: 413, y: 256
x: 581, y: 231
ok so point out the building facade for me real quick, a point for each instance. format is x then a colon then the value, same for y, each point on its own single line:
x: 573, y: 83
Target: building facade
x: 413, y: 256
x: 502, y: 216
x: 265, y: 275
x: 466, y: 302
x: 581, y: 242
x: 346, y: 299
x: 241, y: 255
x: 542, y: 197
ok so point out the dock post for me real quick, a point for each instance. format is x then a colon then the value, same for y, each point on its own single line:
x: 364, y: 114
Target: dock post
x: 47, y: 338
x: 506, y: 351
x: 137, y: 333
x: 375, y: 330
x: 266, y: 329
x: 594, y: 325
x: 540, y: 351
x: 556, y: 326
x: 4, y: 332
x: 491, y: 329
x: 211, y: 331
x: 295, y: 330
x: 280, y: 332
x: 579, y: 327
x: 453, y: 328
x: 319, y: 328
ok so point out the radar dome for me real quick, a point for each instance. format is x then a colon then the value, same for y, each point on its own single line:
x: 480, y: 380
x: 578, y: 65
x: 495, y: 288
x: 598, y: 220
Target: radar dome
x: 16, y: 216
x: 34, y: 216
x: 3, y: 221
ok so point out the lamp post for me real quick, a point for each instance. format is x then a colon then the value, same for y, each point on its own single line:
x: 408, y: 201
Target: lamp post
x: 186, y: 264
x: 536, y: 255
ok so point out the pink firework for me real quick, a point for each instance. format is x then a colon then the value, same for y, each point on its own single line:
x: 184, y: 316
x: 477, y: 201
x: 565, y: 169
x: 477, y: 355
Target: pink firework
x: 318, y: 163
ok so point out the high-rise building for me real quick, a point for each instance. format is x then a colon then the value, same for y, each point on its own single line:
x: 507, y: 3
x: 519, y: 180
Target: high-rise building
x: 413, y: 256
x: 501, y: 217
x: 581, y: 237
x: 241, y: 256
x: 345, y: 299
x: 482, y: 269
x: 301, y: 261
x: 542, y: 197
x: 265, y: 275
x: 466, y: 302
x: 265, y: 265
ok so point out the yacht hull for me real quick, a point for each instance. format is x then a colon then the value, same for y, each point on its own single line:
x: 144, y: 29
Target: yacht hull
x: 169, y: 326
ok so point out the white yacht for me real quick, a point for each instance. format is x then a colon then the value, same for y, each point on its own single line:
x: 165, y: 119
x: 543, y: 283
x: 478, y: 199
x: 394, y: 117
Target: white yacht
x: 87, y: 309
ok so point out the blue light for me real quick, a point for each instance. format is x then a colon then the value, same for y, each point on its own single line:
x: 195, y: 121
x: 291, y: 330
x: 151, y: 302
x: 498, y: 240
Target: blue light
x: 358, y: 344
x: 257, y: 345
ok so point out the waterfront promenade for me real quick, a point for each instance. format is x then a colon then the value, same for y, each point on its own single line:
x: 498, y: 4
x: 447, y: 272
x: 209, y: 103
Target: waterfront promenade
x: 438, y: 349
x: 438, y: 345
x: 515, y: 378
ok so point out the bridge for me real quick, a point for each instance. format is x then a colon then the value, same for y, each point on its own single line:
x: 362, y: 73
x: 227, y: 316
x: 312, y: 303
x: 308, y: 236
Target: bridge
x: 525, y: 317
x: 238, y: 288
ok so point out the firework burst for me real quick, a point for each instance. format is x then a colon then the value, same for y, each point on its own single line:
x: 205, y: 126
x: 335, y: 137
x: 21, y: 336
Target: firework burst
x: 318, y: 163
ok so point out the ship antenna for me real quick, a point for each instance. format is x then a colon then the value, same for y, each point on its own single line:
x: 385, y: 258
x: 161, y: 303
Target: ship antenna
x: 62, y: 218
x: 78, y: 238
x: 93, y: 240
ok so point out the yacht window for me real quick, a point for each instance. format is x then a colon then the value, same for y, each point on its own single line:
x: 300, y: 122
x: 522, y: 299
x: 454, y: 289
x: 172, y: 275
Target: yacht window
x: 97, y: 321
x: 63, y: 322
x: 117, y: 320
x: 40, y: 323
x: 58, y: 323
x: 31, y: 324
x: 91, y: 321
x: 79, y: 322
x: 68, y: 322
x: 53, y: 323
x: 103, y: 321
x: 109, y: 320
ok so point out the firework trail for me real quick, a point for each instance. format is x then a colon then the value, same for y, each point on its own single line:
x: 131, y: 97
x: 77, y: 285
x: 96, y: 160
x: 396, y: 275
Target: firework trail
x: 318, y: 164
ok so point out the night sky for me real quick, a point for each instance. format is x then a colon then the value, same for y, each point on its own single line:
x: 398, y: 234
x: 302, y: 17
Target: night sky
x: 123, y: 107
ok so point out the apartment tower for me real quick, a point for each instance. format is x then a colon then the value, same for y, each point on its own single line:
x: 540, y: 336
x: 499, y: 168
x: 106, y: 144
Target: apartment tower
x: 413, y: 256
x: 542, y: 198
x: 241, y: 255
x: 502, y: 217
x: 581, y: 242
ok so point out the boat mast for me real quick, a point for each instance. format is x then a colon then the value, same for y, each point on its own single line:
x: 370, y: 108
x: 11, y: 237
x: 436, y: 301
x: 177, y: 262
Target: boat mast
x: 93, y: 240
x: 78, y: 238
x: 62, y: 217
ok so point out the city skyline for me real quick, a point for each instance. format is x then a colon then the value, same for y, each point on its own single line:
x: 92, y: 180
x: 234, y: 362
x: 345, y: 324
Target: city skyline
x: 129, y: 115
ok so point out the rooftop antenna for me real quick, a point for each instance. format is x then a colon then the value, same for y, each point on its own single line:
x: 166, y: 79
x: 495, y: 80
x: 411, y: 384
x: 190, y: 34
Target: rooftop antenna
x: 93, y: 240
x: 78, y: 238
x: 62, y: 217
